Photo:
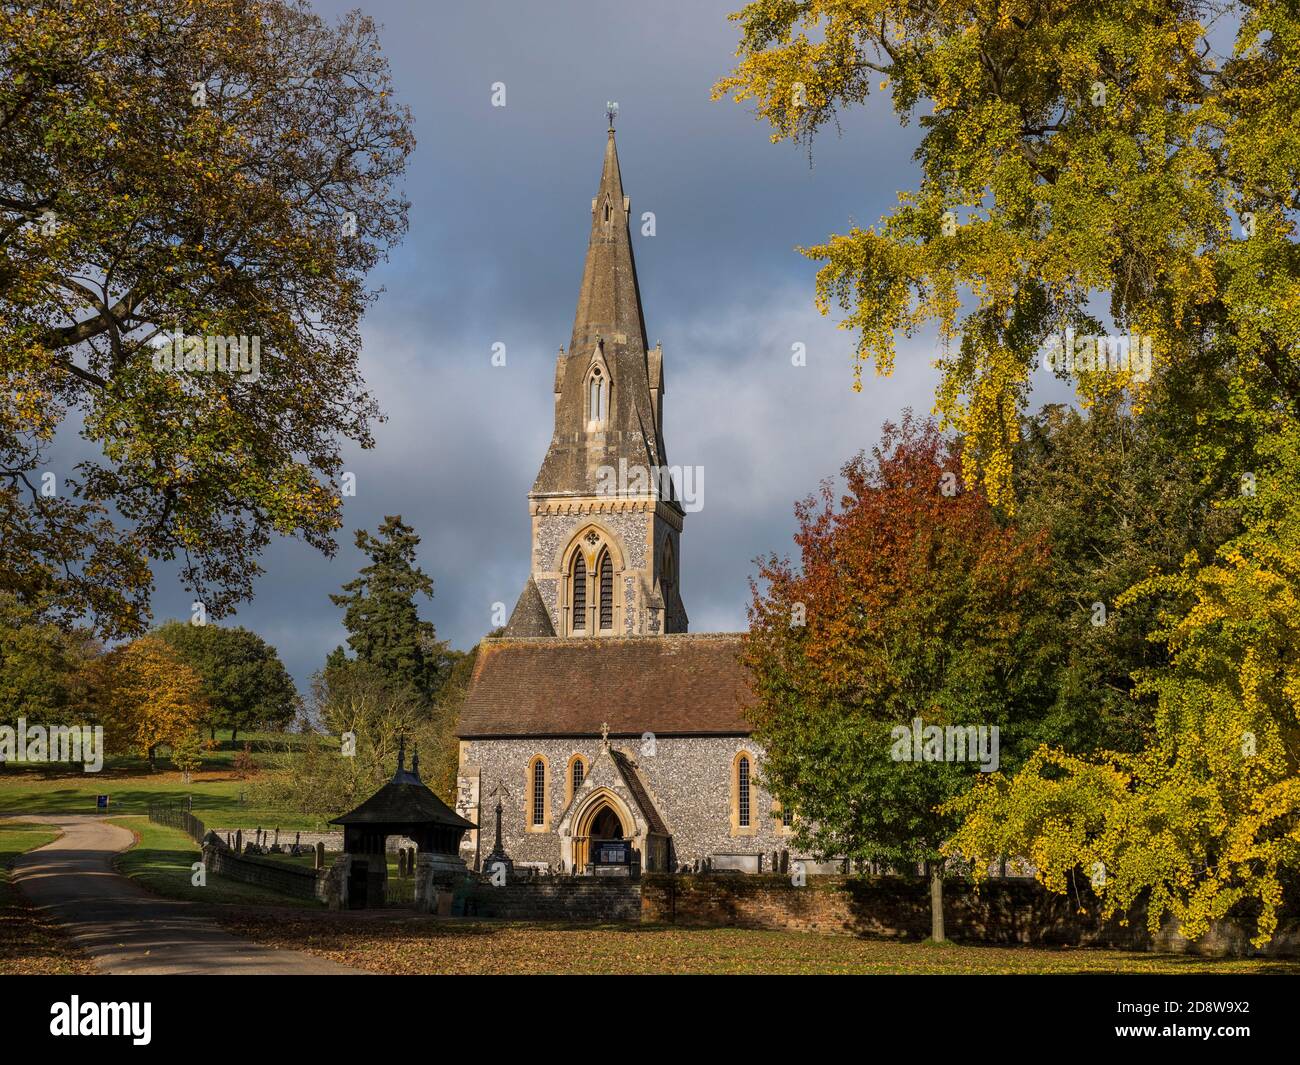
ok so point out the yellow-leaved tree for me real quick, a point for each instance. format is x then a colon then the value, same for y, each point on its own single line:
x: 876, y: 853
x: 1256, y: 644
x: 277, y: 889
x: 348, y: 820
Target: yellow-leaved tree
x: 1125, y: 171
x: 1205, y: 822
x: 145, y: 695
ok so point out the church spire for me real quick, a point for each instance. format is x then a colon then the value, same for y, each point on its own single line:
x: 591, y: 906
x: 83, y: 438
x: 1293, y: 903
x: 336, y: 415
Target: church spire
x: 608, y: 385
x: 609, y: 301
x: 605, y: 519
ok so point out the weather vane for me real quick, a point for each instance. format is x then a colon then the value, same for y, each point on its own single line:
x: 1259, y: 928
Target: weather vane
x: 611, y: 110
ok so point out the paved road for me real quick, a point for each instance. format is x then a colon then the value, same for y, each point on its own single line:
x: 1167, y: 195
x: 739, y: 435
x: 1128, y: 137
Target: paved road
x: 123, y: 927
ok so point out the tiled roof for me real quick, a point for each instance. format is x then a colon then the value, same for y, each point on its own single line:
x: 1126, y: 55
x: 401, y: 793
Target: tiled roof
x: 682, y: 684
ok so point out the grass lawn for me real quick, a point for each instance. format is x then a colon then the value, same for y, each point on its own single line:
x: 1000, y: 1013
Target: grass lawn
x: 30, y: 944
x: 426, y: 945
x: 220, y: 797
x: 161, y: 862
x: 217, y: 797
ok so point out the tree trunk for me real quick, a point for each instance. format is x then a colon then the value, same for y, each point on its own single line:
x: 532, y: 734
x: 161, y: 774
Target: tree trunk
x: 152, y: 752
x: 936, y: 901
x: 233, y: 733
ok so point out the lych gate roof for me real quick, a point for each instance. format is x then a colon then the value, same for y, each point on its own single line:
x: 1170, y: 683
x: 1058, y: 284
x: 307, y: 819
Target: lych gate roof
x: 404, y: 800
x: 668, y: 684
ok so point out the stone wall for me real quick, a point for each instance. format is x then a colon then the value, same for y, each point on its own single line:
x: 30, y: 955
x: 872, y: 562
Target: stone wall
x: 270, y: 873
x: 1007, y: 912
x: 557, y: 898
x: 688, y: 779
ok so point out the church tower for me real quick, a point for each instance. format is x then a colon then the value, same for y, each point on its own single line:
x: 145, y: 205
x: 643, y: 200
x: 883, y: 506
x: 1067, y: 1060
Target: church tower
x: 605, y: 517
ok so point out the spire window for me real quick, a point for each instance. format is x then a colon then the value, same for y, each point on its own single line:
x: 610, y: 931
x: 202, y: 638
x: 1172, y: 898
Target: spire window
x: 597, y: 398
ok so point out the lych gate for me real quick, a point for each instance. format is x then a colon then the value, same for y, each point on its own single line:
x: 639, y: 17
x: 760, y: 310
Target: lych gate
x: 402, y: 807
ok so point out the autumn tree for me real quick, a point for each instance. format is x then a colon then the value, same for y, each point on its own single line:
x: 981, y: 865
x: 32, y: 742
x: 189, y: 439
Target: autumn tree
x: 187, y: 753
x: 372, y: 713
x: 1117, y: 499
x: 209, y: 170
x: 385, y: 630
x: 908, y: 601
x: 1204, y: 822
x: 1070, y: 153
x: 39, y: 663
x: 145, y: 695
x: 244, y: 682
x: 1074, y: 154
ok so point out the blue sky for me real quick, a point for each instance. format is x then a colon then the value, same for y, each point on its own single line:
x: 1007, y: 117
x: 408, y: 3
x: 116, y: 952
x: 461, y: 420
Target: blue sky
x: 499, y: 221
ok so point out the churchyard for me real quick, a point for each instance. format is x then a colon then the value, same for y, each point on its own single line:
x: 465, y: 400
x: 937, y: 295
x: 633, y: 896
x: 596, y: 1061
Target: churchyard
x: 398, y: 941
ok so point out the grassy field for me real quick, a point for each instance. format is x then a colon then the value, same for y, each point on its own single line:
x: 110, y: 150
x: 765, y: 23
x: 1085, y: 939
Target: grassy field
x: 162, y: 860
x: 416, y: 945
x: 29, y: 943
x: 221, y: 798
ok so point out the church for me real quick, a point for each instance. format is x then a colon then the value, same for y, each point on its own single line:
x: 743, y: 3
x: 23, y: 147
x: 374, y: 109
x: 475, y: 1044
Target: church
x: 597, y: 732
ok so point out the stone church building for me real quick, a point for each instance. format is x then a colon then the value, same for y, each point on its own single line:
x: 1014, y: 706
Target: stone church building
x: 596, y: 717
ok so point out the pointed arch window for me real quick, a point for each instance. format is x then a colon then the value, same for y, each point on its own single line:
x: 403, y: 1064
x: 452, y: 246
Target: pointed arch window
x: 743, y: 822
x: 578, y: 581
x: 577, y: 774
x: 606, y: 570
x: 742, y: 792
x: 538, y: 810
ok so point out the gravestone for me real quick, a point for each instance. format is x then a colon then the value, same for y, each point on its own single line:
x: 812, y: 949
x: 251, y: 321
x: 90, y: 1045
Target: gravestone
x: 239, y: 841
x: 320, y: 855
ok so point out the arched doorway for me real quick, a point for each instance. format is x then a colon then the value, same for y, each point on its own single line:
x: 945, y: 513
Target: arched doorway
x: 601, y: 820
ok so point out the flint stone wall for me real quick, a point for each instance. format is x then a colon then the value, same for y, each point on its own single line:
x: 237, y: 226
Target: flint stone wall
x: 586, y: 898
x: 688, y: 779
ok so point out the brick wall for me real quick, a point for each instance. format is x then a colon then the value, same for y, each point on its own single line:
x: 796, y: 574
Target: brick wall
x: 1001, y: 912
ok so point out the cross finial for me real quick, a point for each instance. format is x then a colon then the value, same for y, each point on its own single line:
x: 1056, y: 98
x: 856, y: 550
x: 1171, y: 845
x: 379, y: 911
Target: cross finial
x: 611, y: 112
x: 604, y: 733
